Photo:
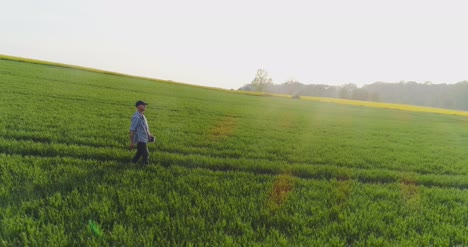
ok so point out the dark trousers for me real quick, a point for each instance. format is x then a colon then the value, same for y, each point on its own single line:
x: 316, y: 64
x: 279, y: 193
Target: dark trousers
x: 142, y: 150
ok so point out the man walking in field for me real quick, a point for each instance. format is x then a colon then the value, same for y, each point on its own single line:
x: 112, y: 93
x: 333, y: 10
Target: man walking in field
x: 140, y: 134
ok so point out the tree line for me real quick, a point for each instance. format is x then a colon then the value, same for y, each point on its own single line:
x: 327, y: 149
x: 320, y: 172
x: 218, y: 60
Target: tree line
x: 450, y: 96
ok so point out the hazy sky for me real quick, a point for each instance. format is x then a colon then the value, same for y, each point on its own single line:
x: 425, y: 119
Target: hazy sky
x: 222, y: 43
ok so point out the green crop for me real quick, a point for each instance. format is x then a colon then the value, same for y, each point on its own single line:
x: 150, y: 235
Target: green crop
x: 227, y: 170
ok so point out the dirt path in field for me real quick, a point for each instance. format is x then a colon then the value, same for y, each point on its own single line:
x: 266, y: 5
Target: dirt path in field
x: 223, y: 128
x: 410, y: 193
x: 288, y: 121
x: 282, y: 187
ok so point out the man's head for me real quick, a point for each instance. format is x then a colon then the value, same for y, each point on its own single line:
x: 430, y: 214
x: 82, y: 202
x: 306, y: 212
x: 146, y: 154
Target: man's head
x: 141, y: 106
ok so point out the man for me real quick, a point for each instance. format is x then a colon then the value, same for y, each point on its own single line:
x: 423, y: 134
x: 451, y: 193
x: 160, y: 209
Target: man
x: 140, y: 134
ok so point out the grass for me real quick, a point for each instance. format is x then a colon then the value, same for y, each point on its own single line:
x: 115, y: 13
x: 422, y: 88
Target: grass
x: 320, y: 99
x: 228, y: 169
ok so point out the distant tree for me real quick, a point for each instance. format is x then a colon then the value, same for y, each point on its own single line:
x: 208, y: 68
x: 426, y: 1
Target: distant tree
x: 262, y: 81
x: 292, y: 87
x: 452, y: 96
x: 374, y: 96
x: 343, y: 94
x: 346, y: 91
x: 318, y: 90
x: 360, y: 94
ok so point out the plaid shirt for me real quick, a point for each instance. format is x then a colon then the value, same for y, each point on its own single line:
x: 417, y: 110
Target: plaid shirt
x: 139, y: 127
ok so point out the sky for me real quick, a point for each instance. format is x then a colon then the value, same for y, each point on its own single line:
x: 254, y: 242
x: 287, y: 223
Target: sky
x: 222, y: 43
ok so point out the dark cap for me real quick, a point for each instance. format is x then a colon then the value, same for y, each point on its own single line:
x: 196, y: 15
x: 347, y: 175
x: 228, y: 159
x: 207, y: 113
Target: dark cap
x: 140, y: 103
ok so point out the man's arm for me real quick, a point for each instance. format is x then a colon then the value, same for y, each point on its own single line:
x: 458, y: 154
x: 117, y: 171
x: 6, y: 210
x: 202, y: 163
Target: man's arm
x: 132, y: 136
x: 132, y: 130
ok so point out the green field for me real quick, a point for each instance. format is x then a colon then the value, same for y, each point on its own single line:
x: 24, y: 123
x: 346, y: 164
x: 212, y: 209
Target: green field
x: 227, y: 169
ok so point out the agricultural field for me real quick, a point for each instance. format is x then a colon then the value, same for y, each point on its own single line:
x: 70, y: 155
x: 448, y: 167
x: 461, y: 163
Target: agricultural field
x: 227, y: 169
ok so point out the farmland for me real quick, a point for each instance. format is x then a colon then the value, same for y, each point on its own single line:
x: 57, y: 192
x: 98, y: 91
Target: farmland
x: 227, y: 169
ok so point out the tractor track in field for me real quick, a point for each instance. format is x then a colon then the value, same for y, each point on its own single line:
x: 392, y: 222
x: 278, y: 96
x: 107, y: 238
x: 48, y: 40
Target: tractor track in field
x: 326, y: 174
x: 223, y: 157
